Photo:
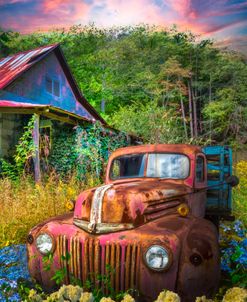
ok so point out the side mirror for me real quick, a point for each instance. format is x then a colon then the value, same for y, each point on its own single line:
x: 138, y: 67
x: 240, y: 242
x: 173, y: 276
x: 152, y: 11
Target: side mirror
x: 232, y: 180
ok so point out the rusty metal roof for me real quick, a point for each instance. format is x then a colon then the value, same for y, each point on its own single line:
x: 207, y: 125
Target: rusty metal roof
x: 12, y: 104
x: 13, y: 66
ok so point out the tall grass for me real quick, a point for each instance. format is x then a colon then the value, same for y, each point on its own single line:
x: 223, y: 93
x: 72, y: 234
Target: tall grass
x: 240, y: 192
x: 24, y: 204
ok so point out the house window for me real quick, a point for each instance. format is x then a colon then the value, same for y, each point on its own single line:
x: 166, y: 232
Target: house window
x: 200, y: 169
x: 52, y: 86
x: 48, y: 85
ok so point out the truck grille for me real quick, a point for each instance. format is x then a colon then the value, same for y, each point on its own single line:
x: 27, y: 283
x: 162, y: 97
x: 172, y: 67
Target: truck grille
x: 89, y: 259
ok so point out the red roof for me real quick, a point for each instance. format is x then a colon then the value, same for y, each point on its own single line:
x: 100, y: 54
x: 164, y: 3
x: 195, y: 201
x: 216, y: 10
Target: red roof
x: 4, y: 103
x: 13, y: 66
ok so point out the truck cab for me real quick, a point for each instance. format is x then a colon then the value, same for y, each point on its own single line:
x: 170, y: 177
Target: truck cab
x: 147, y: 222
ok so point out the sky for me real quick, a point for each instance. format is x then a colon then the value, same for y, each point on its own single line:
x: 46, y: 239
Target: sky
x: 224, y: 21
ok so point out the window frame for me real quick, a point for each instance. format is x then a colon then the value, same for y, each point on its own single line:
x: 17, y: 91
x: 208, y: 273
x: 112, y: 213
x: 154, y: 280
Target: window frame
x: 53, y: 80
x: 204, y: 169
x: 146, y: 154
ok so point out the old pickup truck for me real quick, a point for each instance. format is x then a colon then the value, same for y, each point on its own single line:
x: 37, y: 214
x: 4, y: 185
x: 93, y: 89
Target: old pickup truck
x: 151, y: 226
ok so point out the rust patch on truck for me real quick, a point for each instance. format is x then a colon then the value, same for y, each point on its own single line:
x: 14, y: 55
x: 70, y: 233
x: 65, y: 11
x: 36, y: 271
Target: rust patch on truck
x: 133, y: 225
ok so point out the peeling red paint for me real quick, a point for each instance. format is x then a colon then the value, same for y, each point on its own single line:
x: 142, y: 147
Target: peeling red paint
x: 137, y: 214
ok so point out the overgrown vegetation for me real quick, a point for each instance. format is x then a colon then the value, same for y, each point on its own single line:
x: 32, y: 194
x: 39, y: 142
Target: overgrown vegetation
x: 83, y: 150
x: 162, y: 85
x: 23, y: 156
x: 24, y: 204
x: 240, y: 193
x: 179, y: 79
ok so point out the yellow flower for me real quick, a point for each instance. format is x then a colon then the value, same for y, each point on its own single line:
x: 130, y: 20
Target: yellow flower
x: 33, y: 296
x: 241, y: 171
x: 32, y: 293
x: 70, y: 205
x: 71, y: 192
x: 168, y: 296
x: 86, y: 297
x: 235, y: 294
x: 128, y: 298
x: 108, y: 299
x: 7, y: 243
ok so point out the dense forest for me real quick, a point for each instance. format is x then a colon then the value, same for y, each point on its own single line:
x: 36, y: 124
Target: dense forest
x: 161, y: 85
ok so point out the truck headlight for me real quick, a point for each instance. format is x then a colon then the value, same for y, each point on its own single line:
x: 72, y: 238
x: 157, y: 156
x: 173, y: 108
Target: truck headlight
x: 44, y: 243
x: 157, y: 257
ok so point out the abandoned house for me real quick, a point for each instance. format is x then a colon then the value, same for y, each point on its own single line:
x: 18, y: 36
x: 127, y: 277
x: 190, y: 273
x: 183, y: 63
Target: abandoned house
x: 39, y: 82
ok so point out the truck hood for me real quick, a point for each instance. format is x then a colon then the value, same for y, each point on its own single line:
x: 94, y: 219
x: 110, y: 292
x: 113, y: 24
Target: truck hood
x: 128, y: 204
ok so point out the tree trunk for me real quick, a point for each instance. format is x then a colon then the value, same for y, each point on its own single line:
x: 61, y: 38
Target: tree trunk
x: 194, y: 100
x: 183, y: 116
x: 191, y: 112
x: 36, y: 158
x: 210, y: 99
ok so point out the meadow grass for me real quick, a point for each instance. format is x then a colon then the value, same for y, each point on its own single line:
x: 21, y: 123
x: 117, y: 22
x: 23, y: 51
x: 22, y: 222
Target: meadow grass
x: 240, y: 192
x: 24, y: 204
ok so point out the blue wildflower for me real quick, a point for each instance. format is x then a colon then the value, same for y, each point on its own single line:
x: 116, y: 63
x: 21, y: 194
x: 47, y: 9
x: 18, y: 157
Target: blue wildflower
x: 13, y: 260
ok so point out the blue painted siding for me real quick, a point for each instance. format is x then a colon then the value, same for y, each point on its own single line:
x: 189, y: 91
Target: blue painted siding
x: 32, y: 86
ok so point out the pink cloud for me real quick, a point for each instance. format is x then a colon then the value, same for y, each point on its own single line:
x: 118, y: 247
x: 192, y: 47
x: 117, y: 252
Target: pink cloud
x: 182, y: 7
x: 128, y: 12
x: 236, y: 43
x: 68, y: 12
x: 205, y: 18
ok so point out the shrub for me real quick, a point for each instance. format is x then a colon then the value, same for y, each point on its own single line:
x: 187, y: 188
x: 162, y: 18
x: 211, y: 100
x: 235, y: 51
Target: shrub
x: 235, y: 294
x: 152, y: 123
x: 76, y: 294
x: 233, y: 242
x: 240, y: 192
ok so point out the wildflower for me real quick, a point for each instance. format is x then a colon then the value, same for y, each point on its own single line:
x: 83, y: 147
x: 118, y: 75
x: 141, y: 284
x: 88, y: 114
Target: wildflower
x: 128, y: 298
x: 52, y: 298
x: 71, y: 192
x: 235, y: 294
x: 108, y: 299
x: 86, y: 297
x: 34, y: 297
x: 238, y: 228
x: 69, y: 292
x: 225, y: 228
x: 32, y: 293
x: 168, y: 296
x: 70, y: 205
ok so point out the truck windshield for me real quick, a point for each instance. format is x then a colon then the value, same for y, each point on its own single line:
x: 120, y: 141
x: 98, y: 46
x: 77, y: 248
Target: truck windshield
x: 159, y: 165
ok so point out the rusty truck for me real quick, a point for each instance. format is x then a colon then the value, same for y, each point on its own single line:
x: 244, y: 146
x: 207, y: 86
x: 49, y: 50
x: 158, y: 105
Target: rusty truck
x: 151, y: 226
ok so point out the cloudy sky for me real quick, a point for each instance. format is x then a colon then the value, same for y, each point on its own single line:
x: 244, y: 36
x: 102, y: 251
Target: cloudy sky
x: 222, y: 20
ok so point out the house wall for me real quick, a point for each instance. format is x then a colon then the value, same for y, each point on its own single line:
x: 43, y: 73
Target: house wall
x: 32, y: 85
x: 10, y: 131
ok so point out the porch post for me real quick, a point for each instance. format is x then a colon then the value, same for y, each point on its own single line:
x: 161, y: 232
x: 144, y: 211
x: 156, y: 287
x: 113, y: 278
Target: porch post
x: 36, y: 158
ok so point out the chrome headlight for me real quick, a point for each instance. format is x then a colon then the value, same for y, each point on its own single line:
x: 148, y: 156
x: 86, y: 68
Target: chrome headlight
x: 157, y: 257
x: 44, y: 243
